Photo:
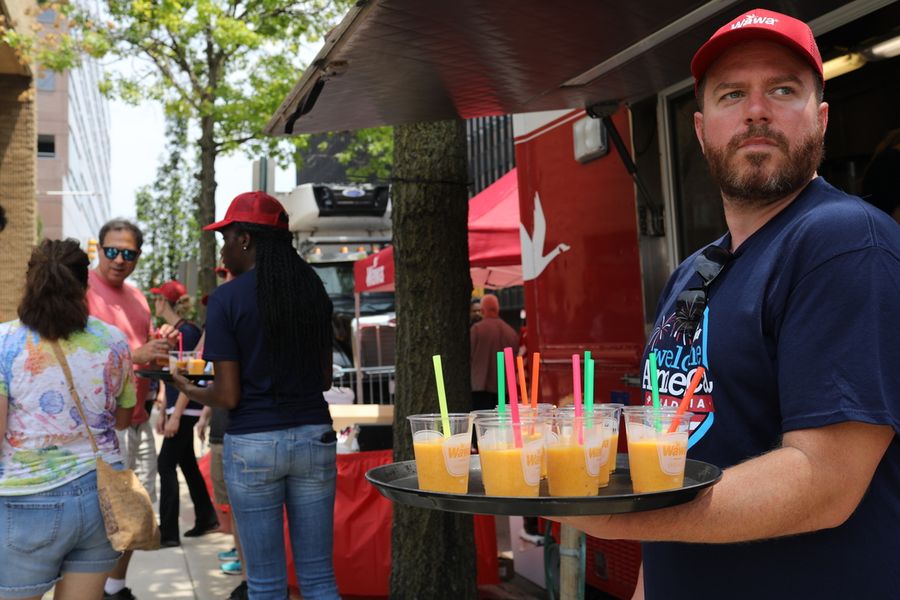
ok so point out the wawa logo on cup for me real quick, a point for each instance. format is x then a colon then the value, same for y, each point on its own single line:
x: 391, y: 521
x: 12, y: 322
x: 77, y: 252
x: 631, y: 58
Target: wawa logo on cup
x: 532, y: 453
x: 457, y: 452
x: 672, y: 452
x: 752, y: 19
x: 596, y: 452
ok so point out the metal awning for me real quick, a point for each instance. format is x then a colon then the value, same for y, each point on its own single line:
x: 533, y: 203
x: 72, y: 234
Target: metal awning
x: 406, y: 61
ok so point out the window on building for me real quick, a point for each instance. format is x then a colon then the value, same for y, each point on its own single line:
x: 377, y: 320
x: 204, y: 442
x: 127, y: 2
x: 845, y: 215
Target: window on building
x: 48, y: 16
x: 47, y: 82
x: 46, y: 147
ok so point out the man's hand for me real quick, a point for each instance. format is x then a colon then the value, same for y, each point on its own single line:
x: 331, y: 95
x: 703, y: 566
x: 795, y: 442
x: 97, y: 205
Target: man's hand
x: 152, y: 350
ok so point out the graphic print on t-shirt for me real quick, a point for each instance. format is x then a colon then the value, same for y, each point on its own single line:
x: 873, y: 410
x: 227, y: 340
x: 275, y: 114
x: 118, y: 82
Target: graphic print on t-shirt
x: 681, y: 348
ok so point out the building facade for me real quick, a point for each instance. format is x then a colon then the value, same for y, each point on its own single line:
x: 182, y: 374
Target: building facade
x: 73, y: 149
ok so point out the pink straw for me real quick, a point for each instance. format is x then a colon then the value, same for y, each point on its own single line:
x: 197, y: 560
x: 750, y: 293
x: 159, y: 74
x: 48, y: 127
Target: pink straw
x: 513, y: 396
x: 576, y: 382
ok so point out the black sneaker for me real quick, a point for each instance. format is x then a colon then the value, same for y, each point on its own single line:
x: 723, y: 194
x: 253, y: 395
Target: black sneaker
x: 123, y: 594
x: 240, y: 592
x: 198, y: 530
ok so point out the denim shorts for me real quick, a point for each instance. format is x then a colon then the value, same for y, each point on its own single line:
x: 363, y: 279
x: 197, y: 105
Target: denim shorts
x: 47, y: 534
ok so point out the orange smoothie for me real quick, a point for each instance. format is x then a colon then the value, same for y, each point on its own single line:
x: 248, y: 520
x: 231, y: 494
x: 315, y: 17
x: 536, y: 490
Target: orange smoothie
x: 512, y: 471
x: 597, y: 457
x: 613, y: 452
x: 442, y: 464
x: 567, y: 473
x: 196, y: 366
x: 657, y: 463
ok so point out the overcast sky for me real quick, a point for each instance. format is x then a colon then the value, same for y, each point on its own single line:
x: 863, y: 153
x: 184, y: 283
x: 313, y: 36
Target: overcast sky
x: 137, y: 137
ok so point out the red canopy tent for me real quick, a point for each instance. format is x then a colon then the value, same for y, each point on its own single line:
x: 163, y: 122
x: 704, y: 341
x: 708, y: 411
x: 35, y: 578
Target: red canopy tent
x: 495, y: 255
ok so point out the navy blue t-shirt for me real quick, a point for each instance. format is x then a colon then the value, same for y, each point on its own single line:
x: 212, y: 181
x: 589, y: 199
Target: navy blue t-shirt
x: 234, y: 332
x: 190, y: 337
x: 800, y: 331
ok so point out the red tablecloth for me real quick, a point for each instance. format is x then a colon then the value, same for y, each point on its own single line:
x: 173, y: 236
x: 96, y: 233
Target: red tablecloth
x: 362, y: 530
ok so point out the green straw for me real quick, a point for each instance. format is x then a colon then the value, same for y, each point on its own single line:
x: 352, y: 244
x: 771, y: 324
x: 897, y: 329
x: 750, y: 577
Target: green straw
x: 501, y: 385
x: 588, y: 382
x: 442, y: 394
x: 654, y: 388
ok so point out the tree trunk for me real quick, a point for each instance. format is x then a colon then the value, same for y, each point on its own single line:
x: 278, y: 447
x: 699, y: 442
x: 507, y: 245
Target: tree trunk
x: 433, y: 552
x: 206, y: 209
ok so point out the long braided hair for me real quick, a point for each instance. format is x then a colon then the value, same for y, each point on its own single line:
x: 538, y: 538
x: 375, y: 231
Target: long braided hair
x: 294, y: 306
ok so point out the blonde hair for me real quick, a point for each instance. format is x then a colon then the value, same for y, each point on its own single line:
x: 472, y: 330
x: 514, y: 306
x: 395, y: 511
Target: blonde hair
x: 184, y: 308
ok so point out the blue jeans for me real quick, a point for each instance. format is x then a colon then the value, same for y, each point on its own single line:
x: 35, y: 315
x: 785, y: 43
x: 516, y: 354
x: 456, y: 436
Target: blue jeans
x: 46, y: 534
x: 267, y: 472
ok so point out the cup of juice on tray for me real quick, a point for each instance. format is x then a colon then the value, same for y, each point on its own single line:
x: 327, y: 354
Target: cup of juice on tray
x: 614, y: 442
x: 178, y: 361
x: 196, y: 366
x: 657, y: 447
x: 544, y: 412
x: 579, y: 451
x: 442, y: 461
x: 510, y: 454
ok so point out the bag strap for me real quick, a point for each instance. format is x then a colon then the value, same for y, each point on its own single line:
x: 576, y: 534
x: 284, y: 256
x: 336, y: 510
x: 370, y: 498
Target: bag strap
x: 61, y: 358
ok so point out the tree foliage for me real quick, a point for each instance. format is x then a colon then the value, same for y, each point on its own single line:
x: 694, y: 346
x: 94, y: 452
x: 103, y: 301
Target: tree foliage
x: 166, y: 211
x: 224, y: 66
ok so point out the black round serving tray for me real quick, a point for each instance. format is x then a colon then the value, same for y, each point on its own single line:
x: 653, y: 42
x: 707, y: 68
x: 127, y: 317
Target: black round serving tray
x: 166, y: 376
x: 399, y: 483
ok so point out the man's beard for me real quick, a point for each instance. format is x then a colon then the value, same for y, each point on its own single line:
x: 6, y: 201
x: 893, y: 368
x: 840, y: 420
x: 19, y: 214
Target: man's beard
x: 752, y: 185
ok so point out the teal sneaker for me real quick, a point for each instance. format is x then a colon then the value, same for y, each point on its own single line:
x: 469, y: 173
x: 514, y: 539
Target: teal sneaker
x: 228, y: 556
x: 231, y: 568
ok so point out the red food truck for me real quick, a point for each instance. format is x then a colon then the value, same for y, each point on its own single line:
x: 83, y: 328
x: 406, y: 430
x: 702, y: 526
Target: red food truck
x: 613, y: 188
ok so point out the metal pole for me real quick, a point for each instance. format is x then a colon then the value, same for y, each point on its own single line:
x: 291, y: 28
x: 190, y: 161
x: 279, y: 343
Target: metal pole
x: 571, y: 563
x: 357, y: 353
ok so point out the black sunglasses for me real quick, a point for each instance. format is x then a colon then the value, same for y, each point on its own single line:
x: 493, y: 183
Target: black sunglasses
x: 692, y: 302
x: 127, y: 254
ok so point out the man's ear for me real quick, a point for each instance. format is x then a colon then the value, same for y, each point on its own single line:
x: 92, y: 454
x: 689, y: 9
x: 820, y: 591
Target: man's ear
x: 244, y: 239
x: 698, y: 129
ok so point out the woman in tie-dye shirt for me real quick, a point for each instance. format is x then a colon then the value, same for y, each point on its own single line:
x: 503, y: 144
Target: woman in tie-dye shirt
x: 51, y: 528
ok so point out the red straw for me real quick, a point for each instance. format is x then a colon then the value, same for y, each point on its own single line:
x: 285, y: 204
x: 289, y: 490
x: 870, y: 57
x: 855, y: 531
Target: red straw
x: 180, y: 345
x: 513, y: 396
x: 686, y: 399
x: 535, y: 373
x: 520, y: 365
x: 576, y: 383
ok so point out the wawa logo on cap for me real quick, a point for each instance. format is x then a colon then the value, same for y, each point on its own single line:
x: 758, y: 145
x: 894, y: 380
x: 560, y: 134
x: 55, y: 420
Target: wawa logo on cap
x: 752, y: 19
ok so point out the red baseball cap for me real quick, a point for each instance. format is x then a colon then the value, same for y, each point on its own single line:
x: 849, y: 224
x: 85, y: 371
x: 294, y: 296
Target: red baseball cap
x: 170, y: 290
x: 253, y: 207
x: 758, y: 24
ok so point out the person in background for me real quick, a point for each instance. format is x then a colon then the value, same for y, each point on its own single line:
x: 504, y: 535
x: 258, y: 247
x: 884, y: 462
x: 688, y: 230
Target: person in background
x: 474, y: 311
x: 112, y: 300
x: 269, y: 335
x: 881, y: 180
x: 176, y: 423
x: 487, y: 337
x: 793, y: 314
x: 53, y: 534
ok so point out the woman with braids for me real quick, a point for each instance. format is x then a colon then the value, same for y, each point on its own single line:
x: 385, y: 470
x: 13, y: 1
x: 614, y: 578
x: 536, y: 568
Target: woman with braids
x: 268, y: 333
x: 51, y: 529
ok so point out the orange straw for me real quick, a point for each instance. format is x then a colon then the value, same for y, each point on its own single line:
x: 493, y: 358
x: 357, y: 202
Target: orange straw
x: 686, y: 399
x: 513, y: 397
x: 520, y: 365
x: 535, y: 373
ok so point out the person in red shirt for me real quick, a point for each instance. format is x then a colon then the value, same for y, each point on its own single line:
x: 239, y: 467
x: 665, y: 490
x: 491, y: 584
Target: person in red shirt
x: 487, y: 337
x: 122, y: 305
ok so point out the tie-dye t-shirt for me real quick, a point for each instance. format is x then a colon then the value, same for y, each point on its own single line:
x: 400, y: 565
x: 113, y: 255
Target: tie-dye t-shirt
x: 46, y: 443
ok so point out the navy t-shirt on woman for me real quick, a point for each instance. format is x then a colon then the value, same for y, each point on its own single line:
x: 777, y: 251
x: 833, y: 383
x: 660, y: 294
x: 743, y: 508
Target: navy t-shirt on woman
x: 234, y: 332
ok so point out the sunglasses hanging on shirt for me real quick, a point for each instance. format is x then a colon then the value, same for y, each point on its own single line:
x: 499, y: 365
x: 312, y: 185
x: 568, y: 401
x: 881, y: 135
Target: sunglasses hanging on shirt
x: 692, y: 302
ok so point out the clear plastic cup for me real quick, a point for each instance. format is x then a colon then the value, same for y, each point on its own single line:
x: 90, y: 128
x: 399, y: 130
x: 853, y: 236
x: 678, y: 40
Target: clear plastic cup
x: 655, y: 456
x: 178, y: 361
x: 510, y: 455
x: 442, y: 462
x: 196, y: 366
x: 614, y: 445
x: 594, y: 442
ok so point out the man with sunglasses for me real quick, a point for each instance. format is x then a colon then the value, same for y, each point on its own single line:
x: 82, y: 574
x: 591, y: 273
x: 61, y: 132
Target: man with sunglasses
x: 113, y: 300
x: 793, y: 314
